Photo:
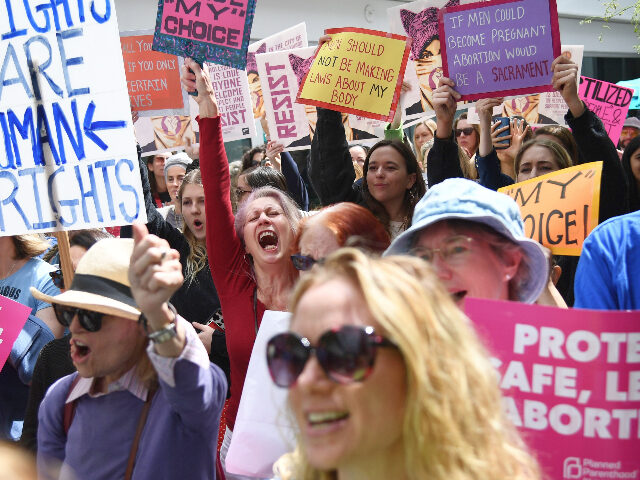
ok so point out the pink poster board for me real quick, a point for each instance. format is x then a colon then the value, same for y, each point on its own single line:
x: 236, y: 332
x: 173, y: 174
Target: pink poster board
x: 571, y: 383
x: 608, y: 101
x: 13, y: 316
x: 499, y: 48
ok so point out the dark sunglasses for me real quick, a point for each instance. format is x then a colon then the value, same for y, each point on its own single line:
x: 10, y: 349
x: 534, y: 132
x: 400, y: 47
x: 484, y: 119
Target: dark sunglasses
x: 467, y: 131
x: 346, y: 355
x: 89, y: 320
x: 305, y: 262
x: 58, y: 279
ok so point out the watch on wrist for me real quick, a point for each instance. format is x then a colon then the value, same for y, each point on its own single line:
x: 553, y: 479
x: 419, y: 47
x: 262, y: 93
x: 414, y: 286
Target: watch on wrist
x: 166, y: 333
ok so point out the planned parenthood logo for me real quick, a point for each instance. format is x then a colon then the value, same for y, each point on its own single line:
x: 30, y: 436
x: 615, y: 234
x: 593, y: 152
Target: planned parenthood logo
x: 586, y: 468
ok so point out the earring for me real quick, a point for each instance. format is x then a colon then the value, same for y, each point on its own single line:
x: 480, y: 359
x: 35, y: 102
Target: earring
x: 507, y: 277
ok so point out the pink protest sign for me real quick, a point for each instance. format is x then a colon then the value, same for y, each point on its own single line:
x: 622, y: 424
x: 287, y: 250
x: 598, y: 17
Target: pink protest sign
x: 499, y: 48
x: 216, y: 32
x: 608, y: 101
x: 571, y: 384
x: 13, y: 316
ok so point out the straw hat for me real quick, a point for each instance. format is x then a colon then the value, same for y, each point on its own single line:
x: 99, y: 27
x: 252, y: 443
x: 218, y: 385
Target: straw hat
x: 101, y: 281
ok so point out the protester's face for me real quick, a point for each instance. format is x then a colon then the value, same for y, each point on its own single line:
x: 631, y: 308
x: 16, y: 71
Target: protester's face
x: 635, y: 165
x: 157, y: 165
x: 110, y: 352
x: 344, y: 425
x: 317, y: 241
x: 387, y: 176
x: 536, y: 161
x: 421, y: 135
x: 76, y: 252
x: 267, y: 233
x: 193, y: 210
x: 429, y: 71
x: 175, y: 175
x: 628, y: 134
x: 243, y: 191
x: 477, y: 273
x: 468, y: 142
x: 358, y: 155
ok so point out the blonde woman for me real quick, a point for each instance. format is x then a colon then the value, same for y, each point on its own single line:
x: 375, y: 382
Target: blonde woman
x: 387, y: 380
x: 423, y: 133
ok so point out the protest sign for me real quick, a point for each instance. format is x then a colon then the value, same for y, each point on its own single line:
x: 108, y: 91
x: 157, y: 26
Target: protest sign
x: 164, y: 133
x: 419, y: 21
x: 291, y: 123
x: 153, y: 78
x: 570, y: 381
x: 561, y: 208
x: 500, y: 48
x: 207, y: 32
x: 13, y: 316
x: 289, y: 39
x: 68, y: 158
x: 608, y: 101
x: 359, y: 71
x: 552, y: 106
x: 234, y: 102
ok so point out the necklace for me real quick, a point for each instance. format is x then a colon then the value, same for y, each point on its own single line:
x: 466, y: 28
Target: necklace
x: 4, y: 280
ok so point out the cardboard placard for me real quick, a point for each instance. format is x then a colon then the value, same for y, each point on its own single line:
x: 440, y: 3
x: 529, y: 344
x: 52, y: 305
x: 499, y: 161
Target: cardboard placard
x: 608, y: 101
x: 560, y: 209
x: 165, y: 133
x: 153, y: 78
x: 291, y: 38
x: 500, y: 48
x: 216, y: 32
x: 359, y: 71
x: 68, y: 158
x: 291, y: 123
x: 13, y: 316
x: 571, y: 384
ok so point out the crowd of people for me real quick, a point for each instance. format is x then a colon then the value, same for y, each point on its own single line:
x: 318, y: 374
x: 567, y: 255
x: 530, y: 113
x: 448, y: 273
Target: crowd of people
x: 143, y: 357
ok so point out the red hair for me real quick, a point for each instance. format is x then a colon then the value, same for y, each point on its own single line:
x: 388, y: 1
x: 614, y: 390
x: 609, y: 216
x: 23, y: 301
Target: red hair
x: 352, y: 225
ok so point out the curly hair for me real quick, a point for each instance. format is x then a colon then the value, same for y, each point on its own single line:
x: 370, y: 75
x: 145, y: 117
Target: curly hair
x: 411, y: 196
x: 454, y: 424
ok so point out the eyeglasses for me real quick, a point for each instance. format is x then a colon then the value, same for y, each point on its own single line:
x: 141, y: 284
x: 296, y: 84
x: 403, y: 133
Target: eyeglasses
x: 58, y: 279
x: 467, y: 131
x: 89, y: 320
x: 240, y: 192
x: 453, y: 251
x: 305, y: 262
x: 346, y: 355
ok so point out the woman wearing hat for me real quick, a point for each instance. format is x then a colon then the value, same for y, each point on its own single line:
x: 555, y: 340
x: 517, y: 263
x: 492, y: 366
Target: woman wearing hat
x: 175, y: 169
x: 474, y: 238
x: 145, y: 396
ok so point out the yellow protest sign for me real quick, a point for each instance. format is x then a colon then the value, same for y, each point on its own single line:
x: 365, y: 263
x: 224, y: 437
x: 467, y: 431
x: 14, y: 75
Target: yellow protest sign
x: 359, y: 71
x: 561, y: 208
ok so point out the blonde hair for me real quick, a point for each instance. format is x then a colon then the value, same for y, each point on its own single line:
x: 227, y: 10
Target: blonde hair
x: 197, y: 258
x: 454, y: 425
x: 29, y: 245
x: 429, y: 125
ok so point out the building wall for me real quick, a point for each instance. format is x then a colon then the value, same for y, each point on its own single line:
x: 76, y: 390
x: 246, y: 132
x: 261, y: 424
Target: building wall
x: 275, y: 15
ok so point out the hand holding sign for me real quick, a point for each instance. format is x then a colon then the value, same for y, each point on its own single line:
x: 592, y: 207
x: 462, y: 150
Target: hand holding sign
x: 445, y: 100
x: 359, y: 71
x: 565, y: 81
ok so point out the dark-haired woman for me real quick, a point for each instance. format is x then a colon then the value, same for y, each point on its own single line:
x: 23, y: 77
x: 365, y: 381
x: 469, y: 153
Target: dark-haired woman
x: 392, y: 182
x: 631, y: 166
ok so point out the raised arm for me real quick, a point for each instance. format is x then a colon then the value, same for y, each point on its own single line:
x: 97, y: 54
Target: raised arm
x: 487, y: 160
x: 295, y: 185
x: 224, y: 248
x: 593, y: 141
x: 443, y: 161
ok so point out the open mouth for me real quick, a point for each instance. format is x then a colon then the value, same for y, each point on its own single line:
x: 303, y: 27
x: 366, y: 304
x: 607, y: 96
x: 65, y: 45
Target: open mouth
x: 197, y: 223
x: 268, y: 240
x: 322, y: 419
x: 79, y: 350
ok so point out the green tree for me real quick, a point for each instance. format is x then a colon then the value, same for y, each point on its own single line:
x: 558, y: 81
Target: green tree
x: 613, y: 9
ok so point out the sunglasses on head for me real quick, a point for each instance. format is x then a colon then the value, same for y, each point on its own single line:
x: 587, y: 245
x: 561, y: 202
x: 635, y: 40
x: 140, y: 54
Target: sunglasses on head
x: 58, y: 279
x: 89, y: 320
x: 305, y: 262
x: 467, y: 131
x: 346, y: 355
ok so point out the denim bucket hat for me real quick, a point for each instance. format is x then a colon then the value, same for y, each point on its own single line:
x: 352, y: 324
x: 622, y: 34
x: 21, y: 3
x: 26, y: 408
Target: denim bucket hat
x: 461, y: 199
